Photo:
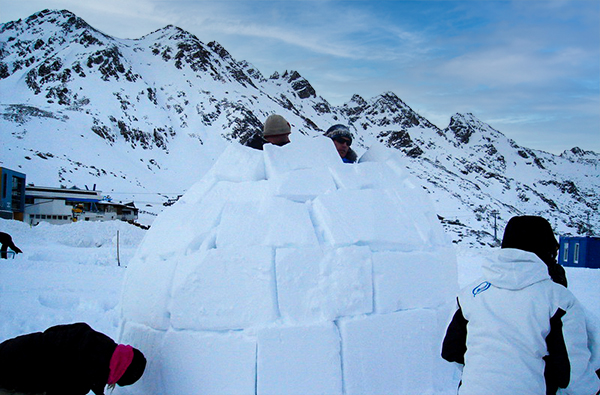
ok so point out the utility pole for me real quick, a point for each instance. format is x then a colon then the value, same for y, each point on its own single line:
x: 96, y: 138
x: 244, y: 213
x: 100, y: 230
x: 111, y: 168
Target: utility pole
x: 495, y: 214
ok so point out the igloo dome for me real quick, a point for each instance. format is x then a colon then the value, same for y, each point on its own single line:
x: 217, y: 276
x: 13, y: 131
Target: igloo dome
x: 286, y: 271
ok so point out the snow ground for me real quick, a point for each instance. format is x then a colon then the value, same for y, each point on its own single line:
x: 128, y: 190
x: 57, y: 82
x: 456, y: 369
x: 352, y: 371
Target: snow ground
x: 69, y: 273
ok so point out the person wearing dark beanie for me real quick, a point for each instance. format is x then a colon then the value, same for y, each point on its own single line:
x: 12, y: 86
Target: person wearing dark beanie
x: 342, y: 139
x: 534, y: 234
x: 69, y: 359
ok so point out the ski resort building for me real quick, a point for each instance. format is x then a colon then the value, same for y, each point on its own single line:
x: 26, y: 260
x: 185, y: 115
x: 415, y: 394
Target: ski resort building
x: 61, y: 206
x: 12, y: 194
x: 579, y: 252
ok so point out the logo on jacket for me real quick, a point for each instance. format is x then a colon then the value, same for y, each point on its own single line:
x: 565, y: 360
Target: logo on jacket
x: 481, y: 287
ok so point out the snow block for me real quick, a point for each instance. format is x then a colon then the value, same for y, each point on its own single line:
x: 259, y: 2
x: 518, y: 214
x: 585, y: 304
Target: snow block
x: 143, y: 303
x: 304, y: 184
x: 398, y: 280
x: 187, y: 224
x: 209, y: 363
x: 302, y: 153
x: 391, y: 157
x: 390, y: 353
x: 170, y: 237
x: 299, y: 361
x: 313, y: 285
x: 238, y: 163
x: 148, y: 341
x: 225, y: 289
x: 374, y: 217
x: 272, y: 221
x: 366, y: 176
x: 421, y: 213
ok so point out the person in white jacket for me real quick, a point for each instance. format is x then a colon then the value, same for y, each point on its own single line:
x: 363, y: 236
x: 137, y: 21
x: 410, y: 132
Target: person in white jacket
x: 516, y: 331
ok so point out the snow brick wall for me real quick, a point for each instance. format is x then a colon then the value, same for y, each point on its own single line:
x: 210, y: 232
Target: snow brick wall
x: 286, y: 271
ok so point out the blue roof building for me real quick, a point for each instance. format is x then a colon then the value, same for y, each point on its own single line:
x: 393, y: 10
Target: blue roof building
x: 579, y: 251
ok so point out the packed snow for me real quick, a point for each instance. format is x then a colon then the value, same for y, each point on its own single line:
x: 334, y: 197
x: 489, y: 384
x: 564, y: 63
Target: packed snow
x: 367, y: 316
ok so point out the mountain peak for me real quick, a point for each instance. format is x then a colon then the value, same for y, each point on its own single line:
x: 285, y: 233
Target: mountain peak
x: 577, y: 153
x: 63, y: 19
x: 464, y: 126
x: 300, y: 84
x: 358, y: 99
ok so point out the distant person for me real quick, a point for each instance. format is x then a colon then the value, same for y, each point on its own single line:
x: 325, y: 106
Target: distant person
x: 67, y: 360
x: 515, y: 330
x: 342, y: 138
x: 7, y: 243
x: 276, y: 130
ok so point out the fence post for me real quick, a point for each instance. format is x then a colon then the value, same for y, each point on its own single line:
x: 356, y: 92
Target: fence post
x: 118, y: 258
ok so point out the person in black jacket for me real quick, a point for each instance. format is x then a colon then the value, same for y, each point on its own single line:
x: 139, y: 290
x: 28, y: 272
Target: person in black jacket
x: 67, y: 360
x: 7, y: 243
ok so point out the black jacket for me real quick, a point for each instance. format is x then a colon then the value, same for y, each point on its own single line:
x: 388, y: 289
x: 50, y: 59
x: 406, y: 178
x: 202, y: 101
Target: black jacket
x: 256, y: 141
x: 63, y: 360
x: 7, y: 242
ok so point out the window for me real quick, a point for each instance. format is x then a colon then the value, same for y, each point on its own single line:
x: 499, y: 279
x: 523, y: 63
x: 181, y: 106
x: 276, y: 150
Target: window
x: 566, y: 252
x: 576, y: 253
x: 17, y: 192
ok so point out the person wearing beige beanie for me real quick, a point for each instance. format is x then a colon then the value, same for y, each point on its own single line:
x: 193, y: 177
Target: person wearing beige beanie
x: 276, y: 131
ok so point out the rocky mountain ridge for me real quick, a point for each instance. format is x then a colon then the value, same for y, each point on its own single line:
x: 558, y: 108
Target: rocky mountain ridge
x: 149, y: 116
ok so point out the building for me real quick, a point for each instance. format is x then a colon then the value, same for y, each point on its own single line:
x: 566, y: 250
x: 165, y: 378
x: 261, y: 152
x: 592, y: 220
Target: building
x: 12, y: 194
x: 579, y: 251
x: 61, y: 206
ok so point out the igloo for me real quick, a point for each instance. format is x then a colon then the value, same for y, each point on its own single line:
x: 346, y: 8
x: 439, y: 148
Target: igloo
x: 286, y: 271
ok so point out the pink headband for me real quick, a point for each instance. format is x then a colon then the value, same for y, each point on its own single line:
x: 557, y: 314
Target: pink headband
x: 119, y: 362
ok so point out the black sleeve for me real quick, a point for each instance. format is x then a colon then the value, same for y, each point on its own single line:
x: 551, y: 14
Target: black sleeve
x: 557, y: 371
x: 454, y: 346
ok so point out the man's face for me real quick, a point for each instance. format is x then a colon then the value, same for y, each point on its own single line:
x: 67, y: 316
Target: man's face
x: 342, y: 145
x: 279, y: 139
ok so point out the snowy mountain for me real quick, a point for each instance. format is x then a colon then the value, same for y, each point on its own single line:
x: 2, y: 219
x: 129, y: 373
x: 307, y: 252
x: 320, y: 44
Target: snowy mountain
x: 144, y: 119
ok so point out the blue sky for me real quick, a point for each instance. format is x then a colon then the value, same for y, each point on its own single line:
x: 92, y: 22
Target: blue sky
x: 530, y: 69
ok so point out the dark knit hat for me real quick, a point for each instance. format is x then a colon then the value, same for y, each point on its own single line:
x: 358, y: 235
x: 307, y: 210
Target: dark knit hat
x: 533, y: 234
x: 339, y: 130
x: 135, y: 370
x: 276, y: 125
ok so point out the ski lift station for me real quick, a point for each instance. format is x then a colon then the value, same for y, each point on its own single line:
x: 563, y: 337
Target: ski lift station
x: 579, y: 252
x: 34, y: 204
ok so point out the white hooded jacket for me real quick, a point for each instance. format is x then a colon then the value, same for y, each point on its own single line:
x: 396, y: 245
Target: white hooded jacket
x: 509, y: 321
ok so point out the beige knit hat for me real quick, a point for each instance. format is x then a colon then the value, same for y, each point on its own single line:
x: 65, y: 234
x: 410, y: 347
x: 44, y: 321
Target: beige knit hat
x: 276, y: 125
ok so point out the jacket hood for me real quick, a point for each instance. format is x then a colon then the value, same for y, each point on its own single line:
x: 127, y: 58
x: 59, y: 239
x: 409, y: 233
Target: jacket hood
x: 514, y: 269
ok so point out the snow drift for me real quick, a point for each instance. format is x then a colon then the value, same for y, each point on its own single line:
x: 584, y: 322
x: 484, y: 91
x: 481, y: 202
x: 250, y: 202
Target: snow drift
x: 285, y: 271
